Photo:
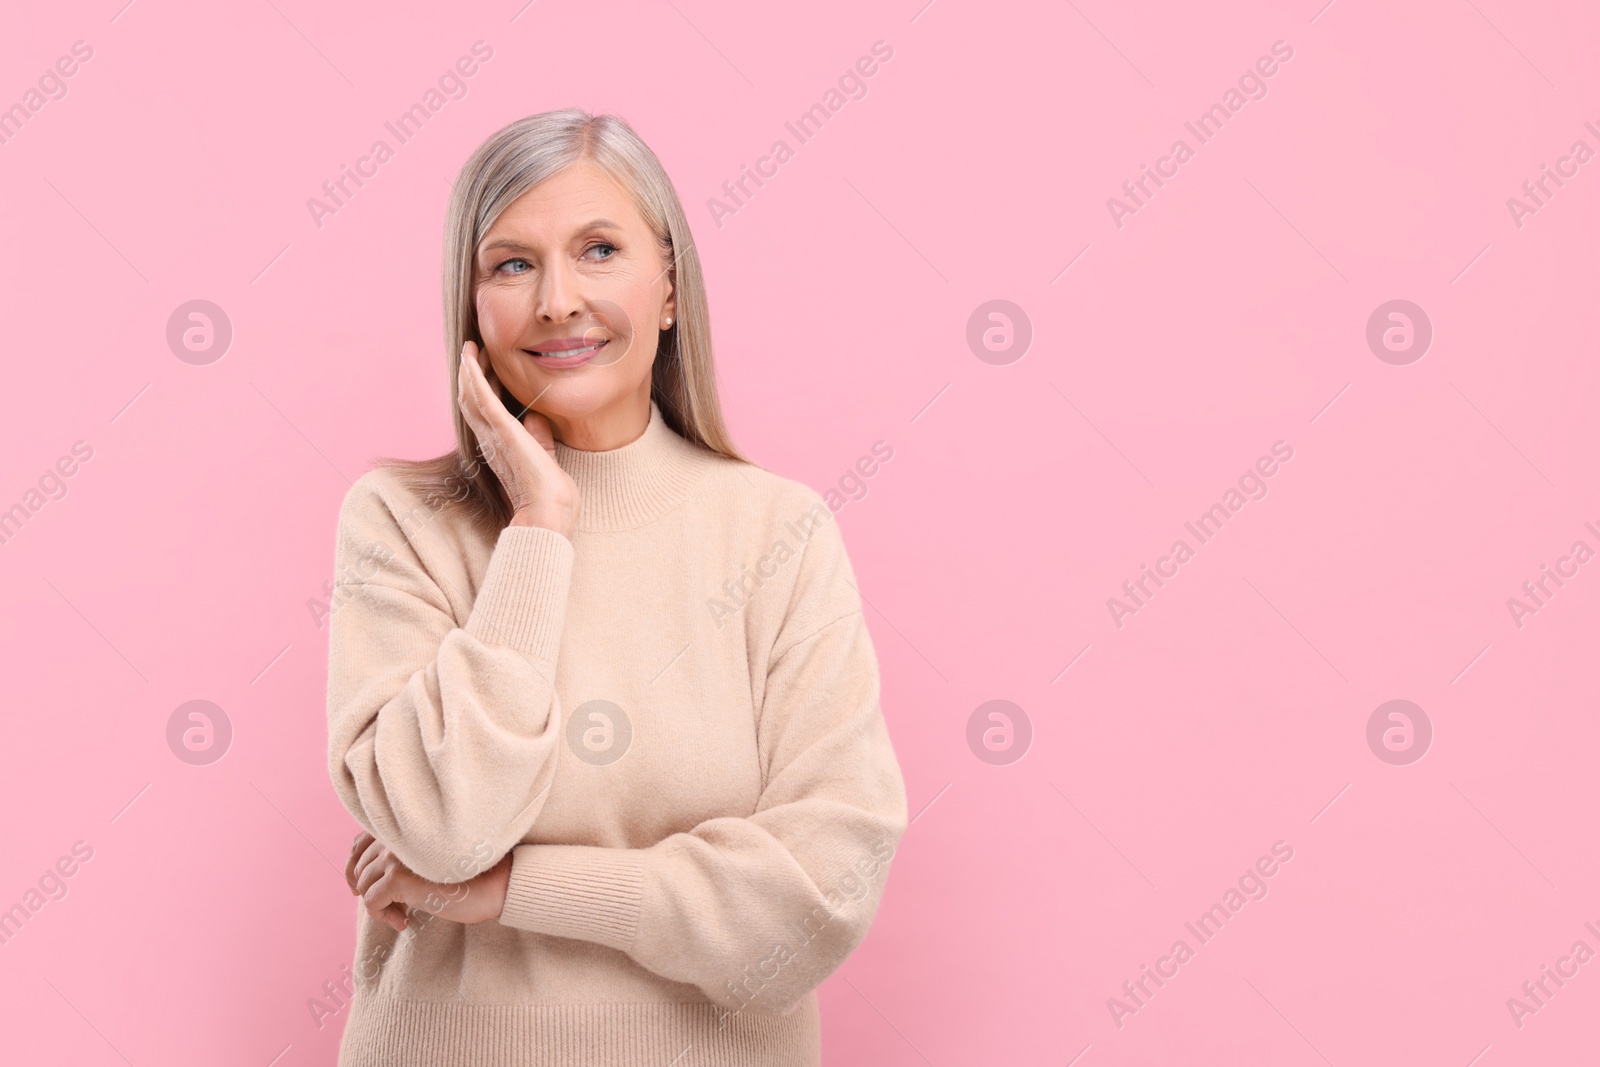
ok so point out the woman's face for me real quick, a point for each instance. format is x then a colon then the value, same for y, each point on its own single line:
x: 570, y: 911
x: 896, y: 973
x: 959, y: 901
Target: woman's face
x: 572, y: 263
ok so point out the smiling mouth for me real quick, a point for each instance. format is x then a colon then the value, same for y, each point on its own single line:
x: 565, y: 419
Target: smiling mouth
x: 570, y: 353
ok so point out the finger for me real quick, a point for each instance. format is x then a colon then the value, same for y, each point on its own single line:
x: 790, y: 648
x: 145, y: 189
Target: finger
x: 369, y: 875
x: 466, y: 385
x: 365, y: 856
x: 478, y: 369
x: 504, y: 400
x: 386, y: 900
x: 352, y: 865
x: 492, y: 386
x: 377, y: 897
x: 472, y: 383
x: 371, y: 865
x: 538, y: 427
x: 356, y: 848
x: 480, y: 406
x: 486, y: 392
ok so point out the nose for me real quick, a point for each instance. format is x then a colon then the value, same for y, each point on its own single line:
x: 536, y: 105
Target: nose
x: 556, y: 296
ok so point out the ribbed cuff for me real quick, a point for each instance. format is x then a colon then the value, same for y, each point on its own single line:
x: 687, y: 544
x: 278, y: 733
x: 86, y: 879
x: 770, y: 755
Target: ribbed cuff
x: 577, y: 891
x: 522, y: 603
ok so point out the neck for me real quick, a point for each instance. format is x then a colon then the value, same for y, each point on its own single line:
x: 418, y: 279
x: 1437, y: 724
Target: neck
x: 637, y: 481
x: 606, y: 429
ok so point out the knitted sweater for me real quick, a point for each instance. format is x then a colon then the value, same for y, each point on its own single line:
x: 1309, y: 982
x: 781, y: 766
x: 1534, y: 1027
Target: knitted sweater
x: 671, y: 722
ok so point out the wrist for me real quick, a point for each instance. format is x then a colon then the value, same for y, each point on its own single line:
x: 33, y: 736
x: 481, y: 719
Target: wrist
x: 530, y: 517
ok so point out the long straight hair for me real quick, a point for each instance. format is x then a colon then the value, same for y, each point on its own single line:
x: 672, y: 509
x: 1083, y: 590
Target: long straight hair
x: 512, y: 161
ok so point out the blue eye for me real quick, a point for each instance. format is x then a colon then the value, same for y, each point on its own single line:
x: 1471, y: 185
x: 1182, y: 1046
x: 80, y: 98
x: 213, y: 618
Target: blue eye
x: 607, y: 245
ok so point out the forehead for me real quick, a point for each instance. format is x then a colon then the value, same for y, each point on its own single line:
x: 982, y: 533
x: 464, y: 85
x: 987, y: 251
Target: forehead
x: 567, y: 202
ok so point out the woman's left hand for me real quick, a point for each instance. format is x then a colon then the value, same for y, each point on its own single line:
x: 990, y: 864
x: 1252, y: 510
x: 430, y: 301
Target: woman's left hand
x: 389, y: 887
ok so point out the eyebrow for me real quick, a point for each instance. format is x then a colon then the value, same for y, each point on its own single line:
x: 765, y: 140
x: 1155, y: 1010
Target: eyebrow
x: 518, y: 246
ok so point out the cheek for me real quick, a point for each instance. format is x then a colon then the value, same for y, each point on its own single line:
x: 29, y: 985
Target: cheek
x: 630, y: 300
x: 499, y: 316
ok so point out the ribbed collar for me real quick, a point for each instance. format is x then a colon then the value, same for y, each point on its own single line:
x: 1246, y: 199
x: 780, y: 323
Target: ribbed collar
x: 629, y: 486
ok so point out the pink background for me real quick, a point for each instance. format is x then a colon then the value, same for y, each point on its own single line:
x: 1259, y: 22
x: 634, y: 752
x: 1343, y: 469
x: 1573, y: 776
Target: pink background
x: 1228, y: 313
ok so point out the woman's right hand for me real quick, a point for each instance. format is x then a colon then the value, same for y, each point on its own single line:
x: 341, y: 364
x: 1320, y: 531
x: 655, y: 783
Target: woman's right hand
x: 522, y: 455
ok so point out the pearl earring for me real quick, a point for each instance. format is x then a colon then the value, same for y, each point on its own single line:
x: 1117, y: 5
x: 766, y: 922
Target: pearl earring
x: 669, y: 320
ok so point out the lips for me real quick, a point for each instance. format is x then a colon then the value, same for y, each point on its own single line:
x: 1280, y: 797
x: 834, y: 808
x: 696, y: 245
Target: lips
x: 563, y: 344
x: 572, y: 352
x: 568, y: 351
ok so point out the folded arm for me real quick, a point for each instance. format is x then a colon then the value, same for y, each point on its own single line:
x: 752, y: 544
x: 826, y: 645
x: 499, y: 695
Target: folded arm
x: 759, y: 910
x: 441, y: 738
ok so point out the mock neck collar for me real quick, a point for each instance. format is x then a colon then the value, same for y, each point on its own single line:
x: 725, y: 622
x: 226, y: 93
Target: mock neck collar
x: 625, y: 487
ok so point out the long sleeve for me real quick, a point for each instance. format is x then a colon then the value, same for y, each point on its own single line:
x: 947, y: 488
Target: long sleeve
x: 441, y: 738
x: 759, y: 910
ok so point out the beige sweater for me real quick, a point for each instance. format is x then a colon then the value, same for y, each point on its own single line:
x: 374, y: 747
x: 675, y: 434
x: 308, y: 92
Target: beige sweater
x: 672, y: 723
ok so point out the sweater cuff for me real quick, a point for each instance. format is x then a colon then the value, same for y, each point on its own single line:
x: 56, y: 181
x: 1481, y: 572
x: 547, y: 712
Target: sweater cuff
x: 578, y: 891
x: 522, y: 602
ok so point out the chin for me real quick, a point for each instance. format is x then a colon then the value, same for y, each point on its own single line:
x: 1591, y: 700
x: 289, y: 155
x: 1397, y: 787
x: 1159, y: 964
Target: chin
x: 569, y: 401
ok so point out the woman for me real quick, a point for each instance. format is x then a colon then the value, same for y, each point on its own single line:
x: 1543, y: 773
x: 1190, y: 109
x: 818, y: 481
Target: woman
x: 604, y: 701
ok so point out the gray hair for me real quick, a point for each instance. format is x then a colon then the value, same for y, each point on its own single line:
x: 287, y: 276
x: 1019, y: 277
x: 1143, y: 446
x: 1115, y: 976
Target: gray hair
x: 513, y: 160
